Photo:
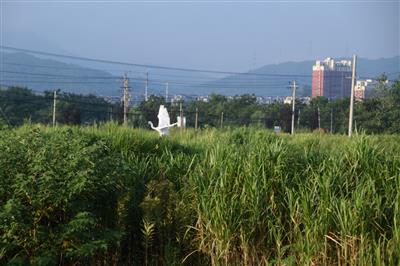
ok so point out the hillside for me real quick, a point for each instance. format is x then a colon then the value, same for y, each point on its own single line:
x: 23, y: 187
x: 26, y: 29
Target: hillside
x: 301, y: 72
x: 49, y: 74
x: 42, y: 74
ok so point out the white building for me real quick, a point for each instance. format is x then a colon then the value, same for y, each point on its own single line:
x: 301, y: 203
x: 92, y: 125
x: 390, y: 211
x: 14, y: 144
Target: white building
x: 305, y: 100
x: 360, y: 90
x: 288, y: 100
x: 205, y: 99
x: 176, y: 99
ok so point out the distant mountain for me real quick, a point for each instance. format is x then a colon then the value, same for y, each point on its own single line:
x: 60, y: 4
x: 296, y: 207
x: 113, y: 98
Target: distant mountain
x: 281, y: 74
x: 375, y: 67
x: 46, y: 74
x: 269, y: 80
x: 40, y: 73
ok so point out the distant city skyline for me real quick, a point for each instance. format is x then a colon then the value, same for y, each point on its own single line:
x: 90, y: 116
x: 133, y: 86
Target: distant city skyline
x: 331, y: 79
x: 224, y: 36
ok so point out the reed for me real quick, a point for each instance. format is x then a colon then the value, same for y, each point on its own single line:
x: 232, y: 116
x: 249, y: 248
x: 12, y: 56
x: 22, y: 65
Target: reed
x: 241, y: 196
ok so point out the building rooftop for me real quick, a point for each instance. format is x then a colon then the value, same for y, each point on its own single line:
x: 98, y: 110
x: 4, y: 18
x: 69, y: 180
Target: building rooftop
x: 330, y: 64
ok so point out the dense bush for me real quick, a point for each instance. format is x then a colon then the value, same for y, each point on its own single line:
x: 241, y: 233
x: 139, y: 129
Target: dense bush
x: 117, y: 196
x: 59, y: 197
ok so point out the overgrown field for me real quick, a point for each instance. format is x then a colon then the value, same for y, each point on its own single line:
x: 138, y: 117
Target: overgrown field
x: 118, y: 196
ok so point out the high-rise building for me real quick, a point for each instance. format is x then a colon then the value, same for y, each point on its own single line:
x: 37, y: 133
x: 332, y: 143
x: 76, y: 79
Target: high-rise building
x: 331, y: 79
x: 363, y: 89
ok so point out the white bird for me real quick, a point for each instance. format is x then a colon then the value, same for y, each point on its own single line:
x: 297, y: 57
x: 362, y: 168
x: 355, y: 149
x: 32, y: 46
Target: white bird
x: 163, y: 122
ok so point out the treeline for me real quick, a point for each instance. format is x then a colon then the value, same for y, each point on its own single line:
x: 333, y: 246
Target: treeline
x: 19, y: 105
x: 380, y: 113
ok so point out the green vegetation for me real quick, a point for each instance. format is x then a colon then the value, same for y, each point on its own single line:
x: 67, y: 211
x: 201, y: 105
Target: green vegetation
x: 113, y: 195
x: 378, y: 114
x: 21, y: 105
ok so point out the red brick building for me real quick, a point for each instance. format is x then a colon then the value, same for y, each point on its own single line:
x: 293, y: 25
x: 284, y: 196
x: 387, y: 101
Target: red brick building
x: 331, y: 79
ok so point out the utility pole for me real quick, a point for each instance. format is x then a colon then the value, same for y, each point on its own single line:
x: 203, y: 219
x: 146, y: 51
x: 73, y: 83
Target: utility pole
x: 222, y: 119
x: 110, y: 114
x: 146, y: 85
x: 319, y: 119
x: 331, y: 120
x: 353, y: 77
x: 298, y: 119
x: 126, y: 98
x: 166, y: 92
x: 181, y: 115
x: 293, y: 104
x: 54, y: 107
x: 196, y: 120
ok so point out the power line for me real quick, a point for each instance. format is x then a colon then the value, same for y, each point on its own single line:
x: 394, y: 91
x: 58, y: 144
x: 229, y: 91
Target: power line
x: 199, y: 89
x: 211, y: 83
x: 236, y: 85
x: 202, y: 78
x: 53, y: 75
x: 159, y: 67
x: 160, y: 83
x: 192, y: 79
x: 80, y: 108
x: 220, y: 83
x: 76, y: 67
x: 54, y: 81
x: 217, y: 117
x: 61, y: 97
x: 143, y: 65
x: 65, y: 94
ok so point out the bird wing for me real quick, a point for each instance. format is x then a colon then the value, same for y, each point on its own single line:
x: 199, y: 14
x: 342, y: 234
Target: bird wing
x: 163, y: 117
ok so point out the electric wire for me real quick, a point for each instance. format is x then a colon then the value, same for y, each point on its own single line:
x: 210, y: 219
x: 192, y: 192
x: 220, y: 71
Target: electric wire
x: 141, y: 65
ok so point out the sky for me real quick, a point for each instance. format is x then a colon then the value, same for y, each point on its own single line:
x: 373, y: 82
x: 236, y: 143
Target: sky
x: 217, y: 35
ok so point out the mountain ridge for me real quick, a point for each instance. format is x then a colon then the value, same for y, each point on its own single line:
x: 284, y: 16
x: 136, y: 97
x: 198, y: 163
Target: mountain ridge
x: 268, y: 80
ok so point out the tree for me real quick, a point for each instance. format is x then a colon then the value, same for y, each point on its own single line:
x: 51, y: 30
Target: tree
x: 71, y: 114
x: 149, y: 109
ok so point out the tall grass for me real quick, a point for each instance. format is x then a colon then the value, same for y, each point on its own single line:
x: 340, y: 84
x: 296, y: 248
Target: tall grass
x: 220, y: 197
x: 304, y: 200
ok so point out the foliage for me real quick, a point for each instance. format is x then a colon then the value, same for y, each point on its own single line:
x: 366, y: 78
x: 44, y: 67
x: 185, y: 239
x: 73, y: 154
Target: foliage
x: 59, y: 196
x: 112, y: 195
x: 21, y: 104
x: 379, y: 113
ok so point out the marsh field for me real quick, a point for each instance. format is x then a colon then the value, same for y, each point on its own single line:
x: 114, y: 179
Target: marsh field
x: 112, y: 195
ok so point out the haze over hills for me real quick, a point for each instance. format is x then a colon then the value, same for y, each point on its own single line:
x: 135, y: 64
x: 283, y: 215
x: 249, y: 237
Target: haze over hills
x: 47, y: 74
x: 301, y: 72
x: 271, y: 80
x: 41, y: 73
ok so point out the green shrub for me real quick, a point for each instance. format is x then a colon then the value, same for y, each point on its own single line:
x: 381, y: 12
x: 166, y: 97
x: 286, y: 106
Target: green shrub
x: 111, y: 195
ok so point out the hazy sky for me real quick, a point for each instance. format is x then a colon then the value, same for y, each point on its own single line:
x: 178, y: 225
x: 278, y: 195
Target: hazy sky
x: 232, y: 36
